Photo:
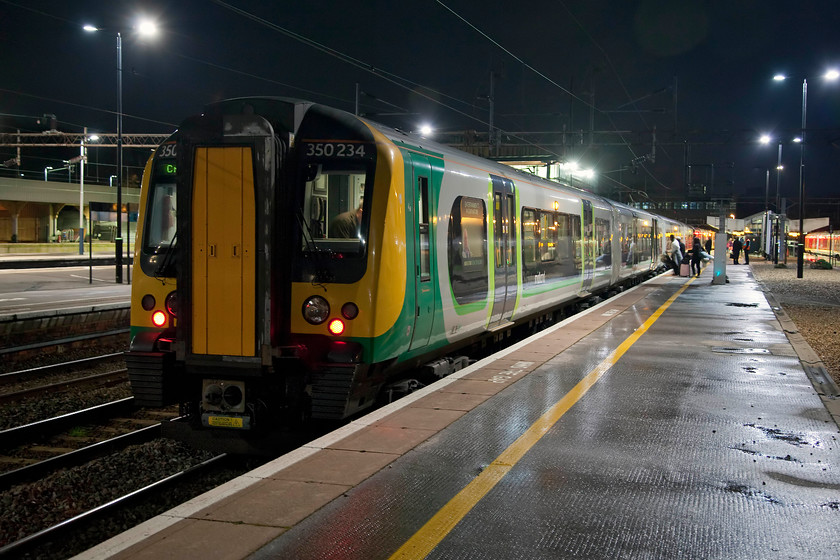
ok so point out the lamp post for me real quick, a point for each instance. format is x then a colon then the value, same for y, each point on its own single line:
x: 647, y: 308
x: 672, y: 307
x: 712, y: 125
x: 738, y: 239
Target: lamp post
x: 774, y: 234
x: 800, y: 241
x: 118, y: 240
x: 146, y: 28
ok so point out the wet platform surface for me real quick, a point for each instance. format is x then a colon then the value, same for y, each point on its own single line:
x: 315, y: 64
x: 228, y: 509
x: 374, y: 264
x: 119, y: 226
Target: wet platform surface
x: 672, y: 421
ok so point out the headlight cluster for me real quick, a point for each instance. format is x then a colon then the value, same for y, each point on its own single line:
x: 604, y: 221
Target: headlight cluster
x: 159, y: 317
x: 316, y: 311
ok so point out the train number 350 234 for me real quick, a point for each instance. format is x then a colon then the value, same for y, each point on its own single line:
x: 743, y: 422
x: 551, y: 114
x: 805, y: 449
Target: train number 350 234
x: 335, y: 150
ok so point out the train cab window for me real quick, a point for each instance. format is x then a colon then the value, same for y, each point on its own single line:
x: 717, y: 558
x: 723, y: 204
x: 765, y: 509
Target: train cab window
x: 467, y: 251
x: 334, y: 193
x: 161, y: 222
x: 334, y: 209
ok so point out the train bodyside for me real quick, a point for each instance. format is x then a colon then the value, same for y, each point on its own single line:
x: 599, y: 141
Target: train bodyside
x: 290, y: 307
x: 823, y: 243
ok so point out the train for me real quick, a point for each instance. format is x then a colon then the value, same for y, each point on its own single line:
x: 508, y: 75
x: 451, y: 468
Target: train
x: 295, y: 262
x: 823, y: 243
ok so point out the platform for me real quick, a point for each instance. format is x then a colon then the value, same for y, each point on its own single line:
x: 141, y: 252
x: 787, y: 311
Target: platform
x: 672, y: 421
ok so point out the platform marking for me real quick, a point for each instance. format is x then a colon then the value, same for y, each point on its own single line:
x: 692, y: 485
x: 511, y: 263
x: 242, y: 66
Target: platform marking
x: 442, y: 523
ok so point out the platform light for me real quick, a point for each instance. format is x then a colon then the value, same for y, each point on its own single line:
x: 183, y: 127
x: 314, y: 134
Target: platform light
x: 147, y: 28
x: 831, y: 74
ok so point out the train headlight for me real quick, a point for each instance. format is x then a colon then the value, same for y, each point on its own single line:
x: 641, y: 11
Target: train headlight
x: 316, y: 310
x: 172, y: 304
x: 159, y: 318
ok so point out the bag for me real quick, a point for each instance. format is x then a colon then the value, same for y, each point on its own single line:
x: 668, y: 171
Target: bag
x: 685, y: 269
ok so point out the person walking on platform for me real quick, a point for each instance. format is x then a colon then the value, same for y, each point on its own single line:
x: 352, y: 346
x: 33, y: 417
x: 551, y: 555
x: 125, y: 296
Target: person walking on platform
x: 709, y: 245
x: 746, y: 250
x: 736, y: 250
x: 676, y: 255
x: 696, y: 257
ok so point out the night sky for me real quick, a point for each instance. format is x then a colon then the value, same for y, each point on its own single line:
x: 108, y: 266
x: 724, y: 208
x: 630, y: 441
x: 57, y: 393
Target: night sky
x: 700, y: 73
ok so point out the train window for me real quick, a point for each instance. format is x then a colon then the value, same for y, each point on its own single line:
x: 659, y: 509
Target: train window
x: 548, y: 244
x: 568, y: 243
x: 530, y: 238
x: 510, y: 230
x: 334, y: 208
x: 161, y: 224
x: 423, y: 228
x: 644, y: 245
x: 499, y: 230
x: 467, y: 253
x: 548, y: 237
x: 603, y: 243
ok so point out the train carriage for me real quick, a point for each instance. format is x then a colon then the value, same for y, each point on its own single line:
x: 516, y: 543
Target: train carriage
x: 823, y: 243
x: 320, y: 257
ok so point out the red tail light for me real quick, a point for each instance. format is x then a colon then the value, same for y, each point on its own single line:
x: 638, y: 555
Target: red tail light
x: 336, y: 326
x: 159, y: 318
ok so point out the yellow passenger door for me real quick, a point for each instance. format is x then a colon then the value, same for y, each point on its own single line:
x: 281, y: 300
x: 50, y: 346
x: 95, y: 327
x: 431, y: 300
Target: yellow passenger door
x: 223, y: 251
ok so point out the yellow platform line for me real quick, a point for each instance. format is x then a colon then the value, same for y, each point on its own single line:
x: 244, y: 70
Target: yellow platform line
x: 442, y: 523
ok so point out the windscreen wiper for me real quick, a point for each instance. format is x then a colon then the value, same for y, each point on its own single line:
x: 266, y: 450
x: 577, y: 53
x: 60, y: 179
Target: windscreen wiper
x: 322, y: 273
x: 161, y: 269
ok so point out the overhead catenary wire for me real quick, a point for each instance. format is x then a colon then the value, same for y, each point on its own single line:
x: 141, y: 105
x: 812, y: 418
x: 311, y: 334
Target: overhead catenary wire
x: 554, y: 83
x: 404, y: 83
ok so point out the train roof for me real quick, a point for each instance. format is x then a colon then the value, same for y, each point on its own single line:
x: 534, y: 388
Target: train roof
x: 289, y: 113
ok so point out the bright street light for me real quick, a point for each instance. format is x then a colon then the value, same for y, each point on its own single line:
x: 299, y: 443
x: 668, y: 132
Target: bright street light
x: 800, y: 241
x: 145, y: 28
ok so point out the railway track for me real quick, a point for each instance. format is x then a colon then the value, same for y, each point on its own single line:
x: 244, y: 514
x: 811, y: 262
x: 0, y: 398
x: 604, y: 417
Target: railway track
x: 33, y: 394
x: 42, y: 447
x: 77, y: 457
x: 51, y: 541
x: 14, y: 377
x: 42, y: 350
x: 107, y: 379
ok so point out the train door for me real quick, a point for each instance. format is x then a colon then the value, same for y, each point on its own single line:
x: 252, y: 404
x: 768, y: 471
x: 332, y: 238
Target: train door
x: 504, y: 251
x: 588, y: 245
x: 424, y: 287
x: 657, y: 242
x: 223, y: 250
